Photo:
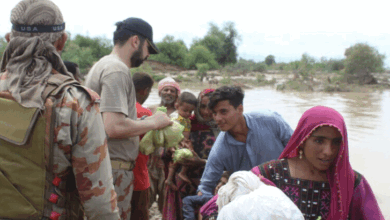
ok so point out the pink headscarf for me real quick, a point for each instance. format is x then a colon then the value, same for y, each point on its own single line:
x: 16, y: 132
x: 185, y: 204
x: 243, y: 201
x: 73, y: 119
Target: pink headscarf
x: 168, y: 81
x: 340, y: 175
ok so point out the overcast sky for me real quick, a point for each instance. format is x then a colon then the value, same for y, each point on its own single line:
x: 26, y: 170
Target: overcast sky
x: 285, y: 29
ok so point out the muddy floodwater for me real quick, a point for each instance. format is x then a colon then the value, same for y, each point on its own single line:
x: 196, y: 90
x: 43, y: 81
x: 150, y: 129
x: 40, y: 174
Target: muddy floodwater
x: 367, y: 116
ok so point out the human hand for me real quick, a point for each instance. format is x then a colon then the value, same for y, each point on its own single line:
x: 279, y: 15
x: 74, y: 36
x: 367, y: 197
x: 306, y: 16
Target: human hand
x: 200, y: 193
x: 194, y: 161
x: 186, y: 143
x: 170, y: 151
x: 161, y: 120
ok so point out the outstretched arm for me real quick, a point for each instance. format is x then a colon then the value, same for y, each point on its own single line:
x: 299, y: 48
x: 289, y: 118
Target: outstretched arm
x: 213, y: 170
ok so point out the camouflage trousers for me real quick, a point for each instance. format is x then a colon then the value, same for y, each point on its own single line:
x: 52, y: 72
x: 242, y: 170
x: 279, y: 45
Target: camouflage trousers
x: 124, y: 186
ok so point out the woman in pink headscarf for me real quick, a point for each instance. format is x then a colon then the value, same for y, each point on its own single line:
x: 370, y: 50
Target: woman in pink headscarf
x: 315, y: 173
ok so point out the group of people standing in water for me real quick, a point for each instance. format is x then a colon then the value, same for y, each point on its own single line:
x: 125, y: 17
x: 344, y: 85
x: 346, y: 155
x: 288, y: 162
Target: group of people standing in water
x: 310, y: 165
x: 88, y: 156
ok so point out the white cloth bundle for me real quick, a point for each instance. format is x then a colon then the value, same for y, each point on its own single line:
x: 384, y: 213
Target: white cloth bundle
x: 258, y: 201
x: 240, y: 183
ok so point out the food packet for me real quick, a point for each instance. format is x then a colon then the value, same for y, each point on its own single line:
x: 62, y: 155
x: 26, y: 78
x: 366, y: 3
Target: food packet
x: 181, y: 154
x: 167, y: 137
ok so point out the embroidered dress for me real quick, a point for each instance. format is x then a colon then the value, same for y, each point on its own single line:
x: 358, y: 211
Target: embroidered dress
x: 311, y: 197
x: 350, y: 196
x: 202, y: 138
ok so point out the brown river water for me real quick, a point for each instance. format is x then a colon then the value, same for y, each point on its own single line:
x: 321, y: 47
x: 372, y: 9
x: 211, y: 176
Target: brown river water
x: 367, y: 116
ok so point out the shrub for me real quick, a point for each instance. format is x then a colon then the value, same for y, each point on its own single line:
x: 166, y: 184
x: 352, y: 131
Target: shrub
x: 269, y: 60
x: 337, y: 65
x: 363, y: 58
x: 143, y: 68
x: 260, y: 67
x: 171, y: 51
x: 202, y: 70
x: 226, y: 80
x: 200, y: 54
x: 157, y: 78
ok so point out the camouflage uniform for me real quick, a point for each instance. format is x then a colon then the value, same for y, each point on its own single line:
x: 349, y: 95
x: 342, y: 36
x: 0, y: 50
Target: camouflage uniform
x: 80, y: 143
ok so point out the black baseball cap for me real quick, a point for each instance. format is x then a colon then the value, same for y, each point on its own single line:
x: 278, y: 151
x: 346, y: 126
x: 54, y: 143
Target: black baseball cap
x: 140, y: 27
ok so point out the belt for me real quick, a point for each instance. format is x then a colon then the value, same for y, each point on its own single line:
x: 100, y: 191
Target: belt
x: 121, y: 165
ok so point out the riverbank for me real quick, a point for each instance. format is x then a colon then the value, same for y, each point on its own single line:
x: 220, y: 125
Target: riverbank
x: 279, y: 80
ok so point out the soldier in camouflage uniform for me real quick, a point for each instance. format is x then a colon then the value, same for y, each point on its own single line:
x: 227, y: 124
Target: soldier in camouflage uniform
x: 110, y: 77
x: 80, y: 145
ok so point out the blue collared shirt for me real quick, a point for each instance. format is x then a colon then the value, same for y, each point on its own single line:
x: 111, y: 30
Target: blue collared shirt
x: 268, y: 134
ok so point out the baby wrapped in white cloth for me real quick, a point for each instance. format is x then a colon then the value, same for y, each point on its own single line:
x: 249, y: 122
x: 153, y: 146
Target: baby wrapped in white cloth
x: 245, y: 197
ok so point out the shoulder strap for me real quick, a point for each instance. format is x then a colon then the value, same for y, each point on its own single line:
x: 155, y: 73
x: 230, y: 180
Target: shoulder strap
x: 56, y: 83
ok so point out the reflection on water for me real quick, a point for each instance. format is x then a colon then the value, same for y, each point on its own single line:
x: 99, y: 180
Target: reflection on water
x: 367, y: 116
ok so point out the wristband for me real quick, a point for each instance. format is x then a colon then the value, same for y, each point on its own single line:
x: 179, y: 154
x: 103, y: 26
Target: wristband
x: 143, y: 117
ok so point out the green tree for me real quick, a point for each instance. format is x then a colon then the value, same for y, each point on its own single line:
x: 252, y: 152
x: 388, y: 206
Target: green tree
x: 269, y: 60
x: 230, y: 43
x: 3, y: 45
x: 362, y: 58
x: 202, y: 70
x: 85, y: 51
x: 99, y: 46
x: 200, y: 54
x: 171, y: 51
x: 80, y: 55
x: 221, y: 42
x: 306, y: 66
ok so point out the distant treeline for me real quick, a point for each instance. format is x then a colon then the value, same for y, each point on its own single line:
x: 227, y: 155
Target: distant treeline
x: 218, y: 50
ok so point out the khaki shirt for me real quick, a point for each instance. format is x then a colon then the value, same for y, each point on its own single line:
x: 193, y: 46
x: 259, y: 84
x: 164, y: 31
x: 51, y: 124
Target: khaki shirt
x: 111, y: 79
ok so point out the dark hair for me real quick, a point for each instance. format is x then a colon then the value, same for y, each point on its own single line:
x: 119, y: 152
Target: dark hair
x: 122, y: 35
x: 142, y: 81
x: 226, y: 174
x: 234, y: 94
x: 71, y: 67
x: 74, y: 69
x: 188, y: 97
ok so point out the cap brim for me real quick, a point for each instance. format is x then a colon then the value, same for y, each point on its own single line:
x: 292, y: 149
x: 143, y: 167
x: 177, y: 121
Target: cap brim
x: 152, y: 48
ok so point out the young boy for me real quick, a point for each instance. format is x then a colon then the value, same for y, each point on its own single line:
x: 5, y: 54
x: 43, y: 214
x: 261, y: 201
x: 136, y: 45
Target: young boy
x: 185, y: 105
x: 190, y: 203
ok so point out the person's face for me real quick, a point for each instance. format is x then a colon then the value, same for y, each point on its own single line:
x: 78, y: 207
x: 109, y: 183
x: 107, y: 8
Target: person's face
x: 204, y: 110
x: 144, y: 95
x: 322, y: 147
x: 222, y: 182
x: 226, y: 116
x: 168, y: 95
x: 184, y: 109
x: 140, y: 55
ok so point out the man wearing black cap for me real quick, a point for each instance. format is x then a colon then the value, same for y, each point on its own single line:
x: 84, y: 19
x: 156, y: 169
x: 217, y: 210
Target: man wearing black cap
x: 110, y: 77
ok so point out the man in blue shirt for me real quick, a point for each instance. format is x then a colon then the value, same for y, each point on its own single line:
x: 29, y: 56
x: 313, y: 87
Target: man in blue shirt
x: 246, y: 139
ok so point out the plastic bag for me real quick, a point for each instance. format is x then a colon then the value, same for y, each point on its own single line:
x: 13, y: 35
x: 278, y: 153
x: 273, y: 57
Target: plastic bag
x: 181, y: 154
x: 169, y: 136
x: 264, y: 202
x: 239, y: 183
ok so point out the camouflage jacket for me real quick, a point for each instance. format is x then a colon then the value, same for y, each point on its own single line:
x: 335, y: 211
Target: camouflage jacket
x: 80, y: 143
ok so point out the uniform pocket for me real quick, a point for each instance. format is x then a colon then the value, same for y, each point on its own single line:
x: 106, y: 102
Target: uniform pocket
x: 12, y: 203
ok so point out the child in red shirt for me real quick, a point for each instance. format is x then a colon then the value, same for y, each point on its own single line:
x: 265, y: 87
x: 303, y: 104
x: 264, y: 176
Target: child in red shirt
x: 140, y: 199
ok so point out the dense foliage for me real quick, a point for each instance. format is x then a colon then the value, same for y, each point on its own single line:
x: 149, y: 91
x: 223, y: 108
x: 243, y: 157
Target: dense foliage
x: 218, y: 50
x: 269, y: 60
x: 363, y: 58
x: 85, y: 51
